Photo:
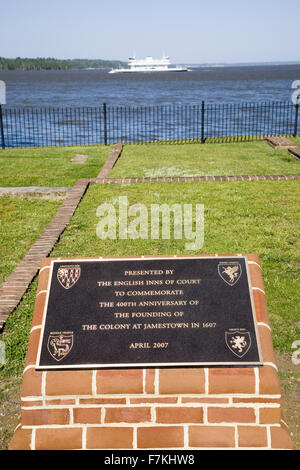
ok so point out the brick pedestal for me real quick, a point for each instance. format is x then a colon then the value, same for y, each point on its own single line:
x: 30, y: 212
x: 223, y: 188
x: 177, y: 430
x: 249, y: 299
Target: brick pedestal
x: 170, y: 408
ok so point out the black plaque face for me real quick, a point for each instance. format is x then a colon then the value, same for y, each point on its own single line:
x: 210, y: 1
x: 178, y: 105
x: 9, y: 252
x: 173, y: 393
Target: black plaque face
x: 149, y: 312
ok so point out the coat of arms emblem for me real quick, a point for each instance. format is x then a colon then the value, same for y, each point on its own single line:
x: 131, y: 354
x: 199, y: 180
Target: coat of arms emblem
x: 238, y: 342
x: 59, y: 345
x: 68, y: 275
x: 230, y: 272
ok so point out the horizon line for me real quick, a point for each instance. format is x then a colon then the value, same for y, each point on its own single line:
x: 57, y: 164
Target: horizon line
x: 272, y: 62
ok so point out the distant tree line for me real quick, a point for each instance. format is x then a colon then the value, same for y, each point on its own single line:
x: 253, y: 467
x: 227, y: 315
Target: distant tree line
x: 50, y: 63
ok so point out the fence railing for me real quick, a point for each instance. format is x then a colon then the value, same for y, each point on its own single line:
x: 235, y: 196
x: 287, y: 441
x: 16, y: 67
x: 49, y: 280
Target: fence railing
x: 203, y: 122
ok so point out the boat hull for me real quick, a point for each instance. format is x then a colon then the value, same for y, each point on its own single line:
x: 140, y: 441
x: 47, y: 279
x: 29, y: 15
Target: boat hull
x: 175, y: 69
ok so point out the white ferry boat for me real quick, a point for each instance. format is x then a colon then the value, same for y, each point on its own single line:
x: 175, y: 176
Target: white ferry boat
x: 150, y: 65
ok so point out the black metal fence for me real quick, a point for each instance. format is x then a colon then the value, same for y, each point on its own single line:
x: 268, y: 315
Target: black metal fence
x: 204, y: 122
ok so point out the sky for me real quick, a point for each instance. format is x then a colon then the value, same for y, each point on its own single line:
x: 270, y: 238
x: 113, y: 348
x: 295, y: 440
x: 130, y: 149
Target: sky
x: 189, y: 31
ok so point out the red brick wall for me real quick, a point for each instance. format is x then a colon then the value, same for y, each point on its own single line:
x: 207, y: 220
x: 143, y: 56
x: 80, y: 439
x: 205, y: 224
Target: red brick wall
x: 188, y: 408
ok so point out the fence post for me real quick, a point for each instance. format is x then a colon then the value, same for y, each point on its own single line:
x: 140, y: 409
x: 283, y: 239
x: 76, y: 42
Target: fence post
x: 202, y: 122
x: 2, y: 129
x: 105, y: 123
x: 296, y: 119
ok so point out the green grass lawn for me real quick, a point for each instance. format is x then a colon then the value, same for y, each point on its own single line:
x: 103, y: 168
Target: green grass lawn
x: 22, y: 220
x: 239, y: 158
x: 49, y: 166
x: 297, y: 140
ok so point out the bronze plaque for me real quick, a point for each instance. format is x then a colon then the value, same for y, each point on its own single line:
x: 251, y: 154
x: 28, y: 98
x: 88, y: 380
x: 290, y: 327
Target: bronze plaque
x: 149, y: 312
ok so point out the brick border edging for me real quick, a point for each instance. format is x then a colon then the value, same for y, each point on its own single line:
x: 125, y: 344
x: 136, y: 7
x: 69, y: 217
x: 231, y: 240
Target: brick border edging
x: 178, y: 179
x: 114, y: 154
x: 295, y: 152
x: 17, y: 283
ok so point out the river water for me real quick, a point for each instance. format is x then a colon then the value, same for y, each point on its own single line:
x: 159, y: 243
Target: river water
x: 222, y: 84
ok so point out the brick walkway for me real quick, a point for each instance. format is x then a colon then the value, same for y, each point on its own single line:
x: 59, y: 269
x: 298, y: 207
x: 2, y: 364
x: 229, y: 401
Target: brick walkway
x: 18, y: 282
